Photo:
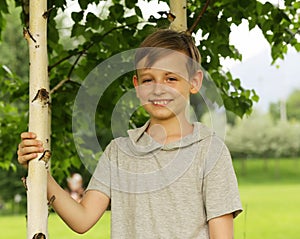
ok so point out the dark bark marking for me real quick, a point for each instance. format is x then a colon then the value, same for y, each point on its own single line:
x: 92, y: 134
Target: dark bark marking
x: 27, y: 34
x: 24, y: 183
x: 39, y: 235
x: 43, y: 96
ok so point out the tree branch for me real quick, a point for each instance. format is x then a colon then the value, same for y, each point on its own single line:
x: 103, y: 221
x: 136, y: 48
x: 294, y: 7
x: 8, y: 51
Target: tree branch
x: 80, y: 54
x: 84, y: 50
x: 293, y: 34
x: 63, y: 59
x: 196, y: 22
x: 60, y: 84
x: 68, y: 78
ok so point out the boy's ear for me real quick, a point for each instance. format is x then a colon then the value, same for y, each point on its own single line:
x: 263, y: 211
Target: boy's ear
x: 196, y: 82
x: 135, y: 82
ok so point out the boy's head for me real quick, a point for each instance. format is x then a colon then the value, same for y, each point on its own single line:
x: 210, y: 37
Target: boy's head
x: 168, y: 71
x: 166, y: 41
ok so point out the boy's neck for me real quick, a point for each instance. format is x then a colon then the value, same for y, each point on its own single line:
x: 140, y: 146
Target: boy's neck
x: 166, y: 131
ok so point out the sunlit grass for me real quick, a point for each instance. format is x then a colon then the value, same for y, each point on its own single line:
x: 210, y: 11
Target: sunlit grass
x: 270, y: 193
x: 14, y: 227
x: 270, y: 212
x: 58, y: 229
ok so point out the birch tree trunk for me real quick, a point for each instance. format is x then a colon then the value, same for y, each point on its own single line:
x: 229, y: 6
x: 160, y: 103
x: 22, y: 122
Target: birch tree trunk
x: 39, y: 119
x: 178, y: 9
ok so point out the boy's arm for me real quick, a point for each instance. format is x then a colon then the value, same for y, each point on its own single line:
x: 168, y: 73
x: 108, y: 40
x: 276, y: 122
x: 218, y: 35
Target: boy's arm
x: 80, y: 217
x: 221, y: 227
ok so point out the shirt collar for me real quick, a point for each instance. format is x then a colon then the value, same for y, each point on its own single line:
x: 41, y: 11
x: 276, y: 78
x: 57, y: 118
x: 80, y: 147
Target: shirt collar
x: 144, y: 143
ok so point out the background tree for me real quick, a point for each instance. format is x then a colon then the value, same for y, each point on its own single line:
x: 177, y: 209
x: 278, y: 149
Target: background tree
x: 293, y: 106
x: 13, y: 47
x: 259, y: 136
x: 274, y: 110
x: 115, y: 26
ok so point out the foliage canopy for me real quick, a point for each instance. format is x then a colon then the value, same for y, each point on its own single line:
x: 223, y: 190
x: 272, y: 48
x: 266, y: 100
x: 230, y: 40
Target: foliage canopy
x: 78, y: 43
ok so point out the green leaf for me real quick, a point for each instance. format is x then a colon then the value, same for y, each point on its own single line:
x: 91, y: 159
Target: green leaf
x: 297, y: 46
x: 84, y: 4
x: 237, y: 83
x: 252, y: 22
x: 107, y: 25
x: 77, y: 16
x: 244, y: 3
x: 77, y: 30
x: 130, y: 3
x: 116, y: 12
x: 259, y: 7
x: 93, y: 21
x: 266, y: 25
x: 255, y: 98
x: 277, y: 16
x: 296, y: 5
x: 247, y: 93
x: 285, y: 16
x: 224, y: 50
x: 267, y: 7
x: 131, y: 20
x: 138, y: 11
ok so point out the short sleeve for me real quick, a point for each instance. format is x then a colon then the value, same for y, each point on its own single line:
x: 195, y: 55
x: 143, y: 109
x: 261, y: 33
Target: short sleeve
x: 100, y: 179
x: 220, y: 187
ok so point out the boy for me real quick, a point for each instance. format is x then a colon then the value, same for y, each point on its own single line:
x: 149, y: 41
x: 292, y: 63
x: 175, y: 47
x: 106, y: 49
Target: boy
x: 168, y: 179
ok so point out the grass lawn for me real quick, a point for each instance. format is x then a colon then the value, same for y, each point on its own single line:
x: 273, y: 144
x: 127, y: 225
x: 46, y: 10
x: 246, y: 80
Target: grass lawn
x: 14, y: 227
x: 270, y: 212
x: 58, y: 229
x: 270, y: 193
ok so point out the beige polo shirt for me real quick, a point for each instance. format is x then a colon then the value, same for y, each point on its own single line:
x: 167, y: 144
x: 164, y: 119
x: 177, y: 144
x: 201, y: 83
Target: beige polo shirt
x: 166, y: 191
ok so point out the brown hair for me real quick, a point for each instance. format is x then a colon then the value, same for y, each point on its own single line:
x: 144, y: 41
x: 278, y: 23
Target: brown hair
x: 165, y: 41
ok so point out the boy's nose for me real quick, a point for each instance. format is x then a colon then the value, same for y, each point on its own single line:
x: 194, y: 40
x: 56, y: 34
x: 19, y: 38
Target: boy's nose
x: 159, y: 89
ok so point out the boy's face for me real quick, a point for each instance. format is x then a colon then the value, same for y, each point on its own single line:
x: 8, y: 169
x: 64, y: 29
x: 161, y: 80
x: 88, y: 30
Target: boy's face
x: 164, y: 88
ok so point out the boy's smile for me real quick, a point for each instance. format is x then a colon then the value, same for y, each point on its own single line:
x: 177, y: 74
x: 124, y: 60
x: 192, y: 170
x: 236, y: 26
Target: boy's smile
x: 160, y: 102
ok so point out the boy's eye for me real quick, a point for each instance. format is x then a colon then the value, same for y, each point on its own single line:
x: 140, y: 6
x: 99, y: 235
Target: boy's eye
x: 171, y: 79
x: 146, y: 81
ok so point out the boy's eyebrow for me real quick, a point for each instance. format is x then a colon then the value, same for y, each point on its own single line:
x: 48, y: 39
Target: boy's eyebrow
x: 142, y: 72
x: 145, y: 71
x: 171, y: 73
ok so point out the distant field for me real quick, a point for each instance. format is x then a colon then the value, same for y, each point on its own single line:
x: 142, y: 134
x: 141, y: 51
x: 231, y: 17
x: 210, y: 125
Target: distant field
x: 267, y: 171
x: 270, y: 193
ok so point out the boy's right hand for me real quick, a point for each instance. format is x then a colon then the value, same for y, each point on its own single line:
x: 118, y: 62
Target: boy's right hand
x: 29, y: 148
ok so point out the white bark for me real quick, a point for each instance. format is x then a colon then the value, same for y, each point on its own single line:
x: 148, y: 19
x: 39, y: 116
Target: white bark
x: 178, y: 9
x: 39, y: 119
